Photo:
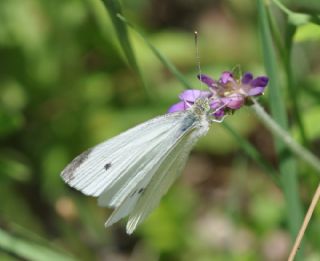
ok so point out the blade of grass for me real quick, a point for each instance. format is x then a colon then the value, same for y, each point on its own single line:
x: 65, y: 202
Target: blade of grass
x: 114, y: 8
x: 284, y: 47
x: 292, y: 88
x: 159, y: 55
x: 286, y: 52
x: 287, y: 164
x: 276, y: 34
x: 29, y: 250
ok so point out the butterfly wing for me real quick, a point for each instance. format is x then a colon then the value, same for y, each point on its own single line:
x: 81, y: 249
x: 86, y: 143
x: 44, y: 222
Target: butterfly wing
x: 120, y: 169
x: 165, y: 175
x: 103, y: 165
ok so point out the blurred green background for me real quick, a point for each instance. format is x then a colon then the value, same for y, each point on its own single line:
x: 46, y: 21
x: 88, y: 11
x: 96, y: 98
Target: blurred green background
x: 65, y: 86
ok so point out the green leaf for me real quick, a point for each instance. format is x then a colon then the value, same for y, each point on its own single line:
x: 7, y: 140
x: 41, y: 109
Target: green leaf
x: 237, y: 72
x: 307, y: 32
x: 295, y: 18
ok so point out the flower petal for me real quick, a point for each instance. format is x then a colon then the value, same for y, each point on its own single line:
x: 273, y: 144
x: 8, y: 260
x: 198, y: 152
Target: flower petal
x: 226, y: 77
x: 192, y: 95
x: 219, y: 114
x: 234, y: 101
x: 207, y: 80
x: 255, y: 91
x: 180, y: 106
x: 215, y: 104
x: 247, y: 78
x: 261, y: 81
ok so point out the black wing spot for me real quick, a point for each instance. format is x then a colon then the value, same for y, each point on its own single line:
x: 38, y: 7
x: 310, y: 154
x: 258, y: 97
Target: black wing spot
x: 107, y: 166
x: 140, y: 191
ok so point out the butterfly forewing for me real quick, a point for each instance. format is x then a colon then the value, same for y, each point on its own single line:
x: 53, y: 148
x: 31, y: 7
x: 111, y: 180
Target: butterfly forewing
x: 102, y: 166
x: 133, y: 170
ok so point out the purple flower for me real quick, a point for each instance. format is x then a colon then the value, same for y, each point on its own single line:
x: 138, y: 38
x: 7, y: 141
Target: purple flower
x: 234, y: 92
x: 217, y: 106
x: 188, y: 98
x: 226, y: 94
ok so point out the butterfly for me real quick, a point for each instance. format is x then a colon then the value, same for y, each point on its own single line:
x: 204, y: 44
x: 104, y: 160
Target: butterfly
x: 132, y: 171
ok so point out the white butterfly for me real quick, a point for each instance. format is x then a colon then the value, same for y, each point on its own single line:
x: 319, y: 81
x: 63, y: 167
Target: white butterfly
x: 132, y: 171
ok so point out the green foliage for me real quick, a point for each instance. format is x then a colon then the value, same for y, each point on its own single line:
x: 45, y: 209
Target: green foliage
x: 288, y: 167
x: 29, y: 249
x: 74, y: 73
x: 308, y: 32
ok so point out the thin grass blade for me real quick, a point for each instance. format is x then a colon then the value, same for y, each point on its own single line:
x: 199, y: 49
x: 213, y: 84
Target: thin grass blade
x: 29, y: 250
x: 287, y: 164
x: 159, y: 55
x: 114, y: 8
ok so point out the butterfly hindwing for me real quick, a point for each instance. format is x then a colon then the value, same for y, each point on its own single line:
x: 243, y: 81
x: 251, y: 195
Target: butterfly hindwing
x: 165, y: 175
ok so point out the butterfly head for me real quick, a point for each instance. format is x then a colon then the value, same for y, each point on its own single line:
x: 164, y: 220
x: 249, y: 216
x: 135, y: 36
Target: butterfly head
x: 201, y: 106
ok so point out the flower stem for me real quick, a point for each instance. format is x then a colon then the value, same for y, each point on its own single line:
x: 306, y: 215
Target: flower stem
x: 295, y: 147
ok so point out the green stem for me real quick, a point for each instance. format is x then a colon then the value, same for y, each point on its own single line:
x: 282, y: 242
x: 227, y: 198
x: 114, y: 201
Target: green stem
x: 286, y: 58
x: 283, y: 7
x: 287, y: 163
x: 295, y: 147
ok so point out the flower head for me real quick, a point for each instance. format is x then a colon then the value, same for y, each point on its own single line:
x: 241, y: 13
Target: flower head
x: 225, y: 95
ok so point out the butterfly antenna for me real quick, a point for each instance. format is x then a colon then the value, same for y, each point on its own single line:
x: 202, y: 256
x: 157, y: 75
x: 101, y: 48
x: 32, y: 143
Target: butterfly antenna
x: 196, y: 43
